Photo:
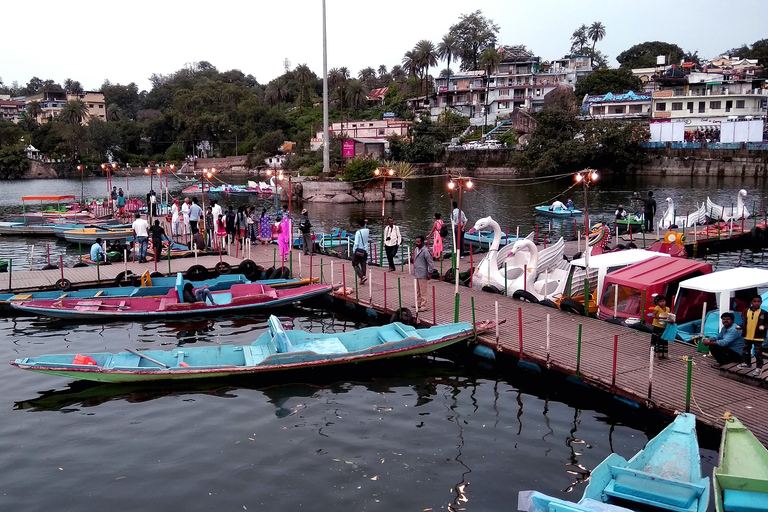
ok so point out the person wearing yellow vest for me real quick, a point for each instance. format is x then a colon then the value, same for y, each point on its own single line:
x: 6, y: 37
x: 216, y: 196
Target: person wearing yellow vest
x: 753, y: 328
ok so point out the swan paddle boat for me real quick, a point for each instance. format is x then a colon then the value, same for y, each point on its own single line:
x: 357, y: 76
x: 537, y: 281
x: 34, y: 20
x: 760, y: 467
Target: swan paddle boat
x: 482, y: 240
x: 740, y: 479
x: 238, y: 298
x: 729, y: 213
x: 277, y: 349
x: 671, y: 219
x: 558, y: 212
x: 665, y: 475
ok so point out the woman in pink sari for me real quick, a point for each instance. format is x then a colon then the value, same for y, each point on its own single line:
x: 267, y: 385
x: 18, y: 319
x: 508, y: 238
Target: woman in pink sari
x: 284, y: 238
x: 437, y: 240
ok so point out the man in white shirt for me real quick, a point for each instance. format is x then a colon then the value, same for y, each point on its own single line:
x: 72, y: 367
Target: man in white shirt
x: 141, y: 236
x: 392, y: 241
x: 185, y: 217
x: 216, y: 210
x: 459, y: 221
x: 175, y: 219
x: 195, y: 212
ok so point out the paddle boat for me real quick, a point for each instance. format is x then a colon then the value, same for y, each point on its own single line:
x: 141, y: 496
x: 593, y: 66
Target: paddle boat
x: 335, y: 239
x: 635, y: 222
x: 521, y: 257
x: 558, y: 212
x: 239, y: 298
x: 665, y: 475
x: 729, y: 213
x: 740, y: 479
x: 701, y: 301
x: 60, y: 211
x: 623, y: 291
x: 482, y: 240
x: 89, y: 235
x: 670, y: 218
x: 276, y: 349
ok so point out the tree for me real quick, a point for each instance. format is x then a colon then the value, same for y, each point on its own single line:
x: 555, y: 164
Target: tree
x: 124, y: 97
x: 447, y: 72
x: 382, y: 70
x: 356, y: 95
x: 604, y: 80
x: 579, y: 40
x: 33, y: 110
x: 489, y: 60
x: 644, y: 55
x: 448, y: 49
x: 277, y: 91
x: 398, y: 74
x: 74, y: 112
x: 596, y: 33
x: 411, y: 63
x: 426, y: 56
x: 72, y: 86
x: 474, y: 33
x: 758, y: 50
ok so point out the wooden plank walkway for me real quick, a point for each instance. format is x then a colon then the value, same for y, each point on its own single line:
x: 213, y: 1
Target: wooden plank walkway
x: 30, y: 280
x: 712, y: 393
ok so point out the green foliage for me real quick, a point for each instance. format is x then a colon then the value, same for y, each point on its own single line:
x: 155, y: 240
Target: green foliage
x: 421, y: 149
x: 360, y: 169
x: 175, y: 153
x: 758, y: 50
x: 644, y: 55
x: 602, y: 81
x: 509, y: 138
x: 402, y: 169
x: 474, y: 33
x: 13, y: 160
x: 452, y: 124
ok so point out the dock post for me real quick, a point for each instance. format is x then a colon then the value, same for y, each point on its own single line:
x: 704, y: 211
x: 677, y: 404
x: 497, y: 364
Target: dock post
x: 274, y: 255
x: 548, y: 355
x: 689, y: 360
x: 322, y: 277
x: 520, y: 329
x: 615, y: 358
x: 385, y: 293
x: 301, y: 273
x: 586, y: 293
x: 505, y: 279
x: 755, y: 213
x: 370, y: 287
x: 416, y: 296
x: 290, y: 262
x: 310, y: 267
x: 496, y: 318
x: 169, y: 263
x: 194, y: 248
x: 650, y: 375
x: 98, y: 272
x: 474, y: 319
x: 578, y: 353
x: 343, y: 279
x: 578, y: 239
x: 456, y: 309
x: 434, y: 309
x: 410, y: 256
x: 642, y: 309
x: 643, y: 237
x: 399, y: 298
x: 357, y: 298
x: 630, y: 232
x: 441, y: 266
x: 402, y: 258
x: 10, y: 274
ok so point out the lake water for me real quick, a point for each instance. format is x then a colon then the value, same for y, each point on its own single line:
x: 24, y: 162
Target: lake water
x: 432, y: 433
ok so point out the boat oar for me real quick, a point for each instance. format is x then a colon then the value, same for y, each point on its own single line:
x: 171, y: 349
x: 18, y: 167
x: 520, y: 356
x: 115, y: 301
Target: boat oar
x: 136, y: 352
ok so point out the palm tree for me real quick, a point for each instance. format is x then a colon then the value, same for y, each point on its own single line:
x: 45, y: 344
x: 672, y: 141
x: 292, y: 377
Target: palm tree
x: 579, y: 38
x: 367, y: 75
x: 74, y: 112
x: 448, y: 48
x: 426, y: 56
x: 596, y: 33
x: 303, y: 75
x: 33, y: 110
x: 356, y: 95
x: 398, y: 74
x: 489, y: 60
x: 277, y: 91
x: 337, y: 79
x: 382, y: 70
x: 447, y: 72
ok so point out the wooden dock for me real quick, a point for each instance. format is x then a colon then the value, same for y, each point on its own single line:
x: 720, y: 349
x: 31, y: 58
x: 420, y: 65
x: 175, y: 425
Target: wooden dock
x: 546, y: 337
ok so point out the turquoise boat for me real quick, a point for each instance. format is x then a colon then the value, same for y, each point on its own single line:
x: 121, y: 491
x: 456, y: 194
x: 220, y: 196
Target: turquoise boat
x: 276, y: 349
x: 741, y: 476
x: 558, y: 212
x: 665, y: 475
x: 482, y: 240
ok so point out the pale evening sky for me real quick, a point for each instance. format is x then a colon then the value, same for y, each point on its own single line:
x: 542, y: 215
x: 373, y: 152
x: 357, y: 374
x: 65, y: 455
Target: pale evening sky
x: 125, y: 42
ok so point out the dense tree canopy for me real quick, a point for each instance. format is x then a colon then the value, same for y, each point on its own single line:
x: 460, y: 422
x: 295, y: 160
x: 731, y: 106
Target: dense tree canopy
x: 604, y: 80
x: 644, y: 55
x: 758, y: 50
x: 474, y: 33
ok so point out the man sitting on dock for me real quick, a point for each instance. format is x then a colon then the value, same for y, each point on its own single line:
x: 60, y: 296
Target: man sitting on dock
x: 97, y: 251
x: 727, y: 346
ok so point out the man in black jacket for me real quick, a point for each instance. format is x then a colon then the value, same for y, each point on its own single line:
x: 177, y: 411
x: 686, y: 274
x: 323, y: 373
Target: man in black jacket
x: 649, y: 210
x: 753, y: 327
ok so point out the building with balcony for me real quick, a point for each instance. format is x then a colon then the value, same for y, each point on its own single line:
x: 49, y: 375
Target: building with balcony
x: 11, y: 110
x: 52, y: 101
x: 464, y: 93
x: 631, y: 106
x: 375, y: 129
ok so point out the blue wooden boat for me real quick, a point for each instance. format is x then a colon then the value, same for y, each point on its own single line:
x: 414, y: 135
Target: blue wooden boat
x: 482, y: 240
x: 237, y: 299
x: 741, y: 477
x: 274, y: 350
x: 665, y: 475
x: 558, y: 212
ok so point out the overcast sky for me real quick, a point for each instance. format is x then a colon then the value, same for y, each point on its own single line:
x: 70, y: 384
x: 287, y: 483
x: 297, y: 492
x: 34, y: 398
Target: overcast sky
x: 125, y: 42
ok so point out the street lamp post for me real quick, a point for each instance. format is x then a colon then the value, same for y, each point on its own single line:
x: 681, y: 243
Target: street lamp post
x: 207, y: 175
x: 151, y: 174
x: 383, y: 172
x: 81, y: 170
x: 459, y: 182
x: 586, y: 177
x: 270, y: 172
x: 108, y: 168
x: 280, y: 176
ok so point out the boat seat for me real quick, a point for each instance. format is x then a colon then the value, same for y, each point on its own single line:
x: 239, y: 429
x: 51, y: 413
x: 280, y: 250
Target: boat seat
x: 279, y: 335
x: 389, y: 335
x: 124, y: 360
x: 744, y: 501
x: 651, y: 489
x: 323, y: 346
x: 406, y: 334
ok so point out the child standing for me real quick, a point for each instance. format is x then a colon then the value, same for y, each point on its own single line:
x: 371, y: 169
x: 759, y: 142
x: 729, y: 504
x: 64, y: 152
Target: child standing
x: 660, y: 318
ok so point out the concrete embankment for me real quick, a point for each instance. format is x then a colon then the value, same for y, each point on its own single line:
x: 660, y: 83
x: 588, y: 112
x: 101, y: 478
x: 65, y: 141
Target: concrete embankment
x: 704, y: 162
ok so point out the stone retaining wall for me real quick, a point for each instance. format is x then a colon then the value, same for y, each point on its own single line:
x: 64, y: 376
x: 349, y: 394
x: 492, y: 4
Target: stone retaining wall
x: 704, y: 162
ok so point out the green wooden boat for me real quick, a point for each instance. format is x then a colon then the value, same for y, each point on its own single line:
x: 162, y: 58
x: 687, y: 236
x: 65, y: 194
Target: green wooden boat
x: 741, y: 477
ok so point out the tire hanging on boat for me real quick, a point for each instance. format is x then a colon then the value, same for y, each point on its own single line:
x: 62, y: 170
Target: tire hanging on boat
x: 572, y: 306
x: 79, y: 264
x: 548, y: 303
x: 49, y: 267
x: 156, y: 274
x: 196, y: 273
x: 491, y: 289
x: 525, y: 296
x: 249, y: 269
x: 223, y: 267
x: 63, y: 284
x: 402, y: 315
x: 125, y: 278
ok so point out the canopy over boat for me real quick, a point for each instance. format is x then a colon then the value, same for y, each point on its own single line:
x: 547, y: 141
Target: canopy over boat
x: 49, y: 199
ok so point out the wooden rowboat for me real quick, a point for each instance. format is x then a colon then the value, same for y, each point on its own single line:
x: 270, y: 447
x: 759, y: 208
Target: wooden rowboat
x: 558, y: 212
x: 274, y: 350
x: 741, y: 477
x: 665, y: 475
x: 238, y: 298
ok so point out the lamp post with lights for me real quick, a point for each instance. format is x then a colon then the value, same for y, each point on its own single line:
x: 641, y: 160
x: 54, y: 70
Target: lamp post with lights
x: 108, y: 168
x: 281, y: 174
x: 586, y: 177
x: 150, y: 205
x: 383, y: 172
x: 81, y: 170
x: 460, y: 183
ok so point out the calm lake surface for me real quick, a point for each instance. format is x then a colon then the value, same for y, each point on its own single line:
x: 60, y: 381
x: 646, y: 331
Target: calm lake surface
x: 442, y: 432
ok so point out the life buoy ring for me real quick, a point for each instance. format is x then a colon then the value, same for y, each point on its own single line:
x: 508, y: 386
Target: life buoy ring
x: 63, y: 284
x: 572, y: 306
x: 525, y: 296
x: 223, y: 267
x: 402, y: 315
x: 156, y: 274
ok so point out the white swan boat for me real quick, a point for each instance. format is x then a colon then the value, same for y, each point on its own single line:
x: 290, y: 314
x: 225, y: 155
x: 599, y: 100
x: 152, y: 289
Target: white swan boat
x: 670, y: 217
x: 729, y: 213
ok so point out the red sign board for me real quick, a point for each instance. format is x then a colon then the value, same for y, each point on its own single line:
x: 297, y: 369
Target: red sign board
x: 348, y: 148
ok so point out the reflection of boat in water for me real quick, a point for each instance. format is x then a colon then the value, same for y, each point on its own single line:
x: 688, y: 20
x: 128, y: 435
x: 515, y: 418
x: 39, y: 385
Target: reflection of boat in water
x: 665, y: 475
x: 274, y: 350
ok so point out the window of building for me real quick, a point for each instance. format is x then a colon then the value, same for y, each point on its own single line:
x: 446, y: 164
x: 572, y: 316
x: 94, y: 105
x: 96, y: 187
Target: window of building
x: 660, y: 107
x: 739, y: 103
x: 635, y: 109
x: 715, y: 105
x: 370, y: 124
x: 598, y: 111
x: 702, y: 107
x: 90, y: 105
x: 689, y: 106
x: 101, y: 106
x: 618, y: 110
x: 678, y: 105
x: 728, y: 105
x: 538, y: 92
x: 381, y: 131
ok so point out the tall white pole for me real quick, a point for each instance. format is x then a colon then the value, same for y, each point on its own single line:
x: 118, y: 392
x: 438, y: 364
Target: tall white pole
x: 326, y: 136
